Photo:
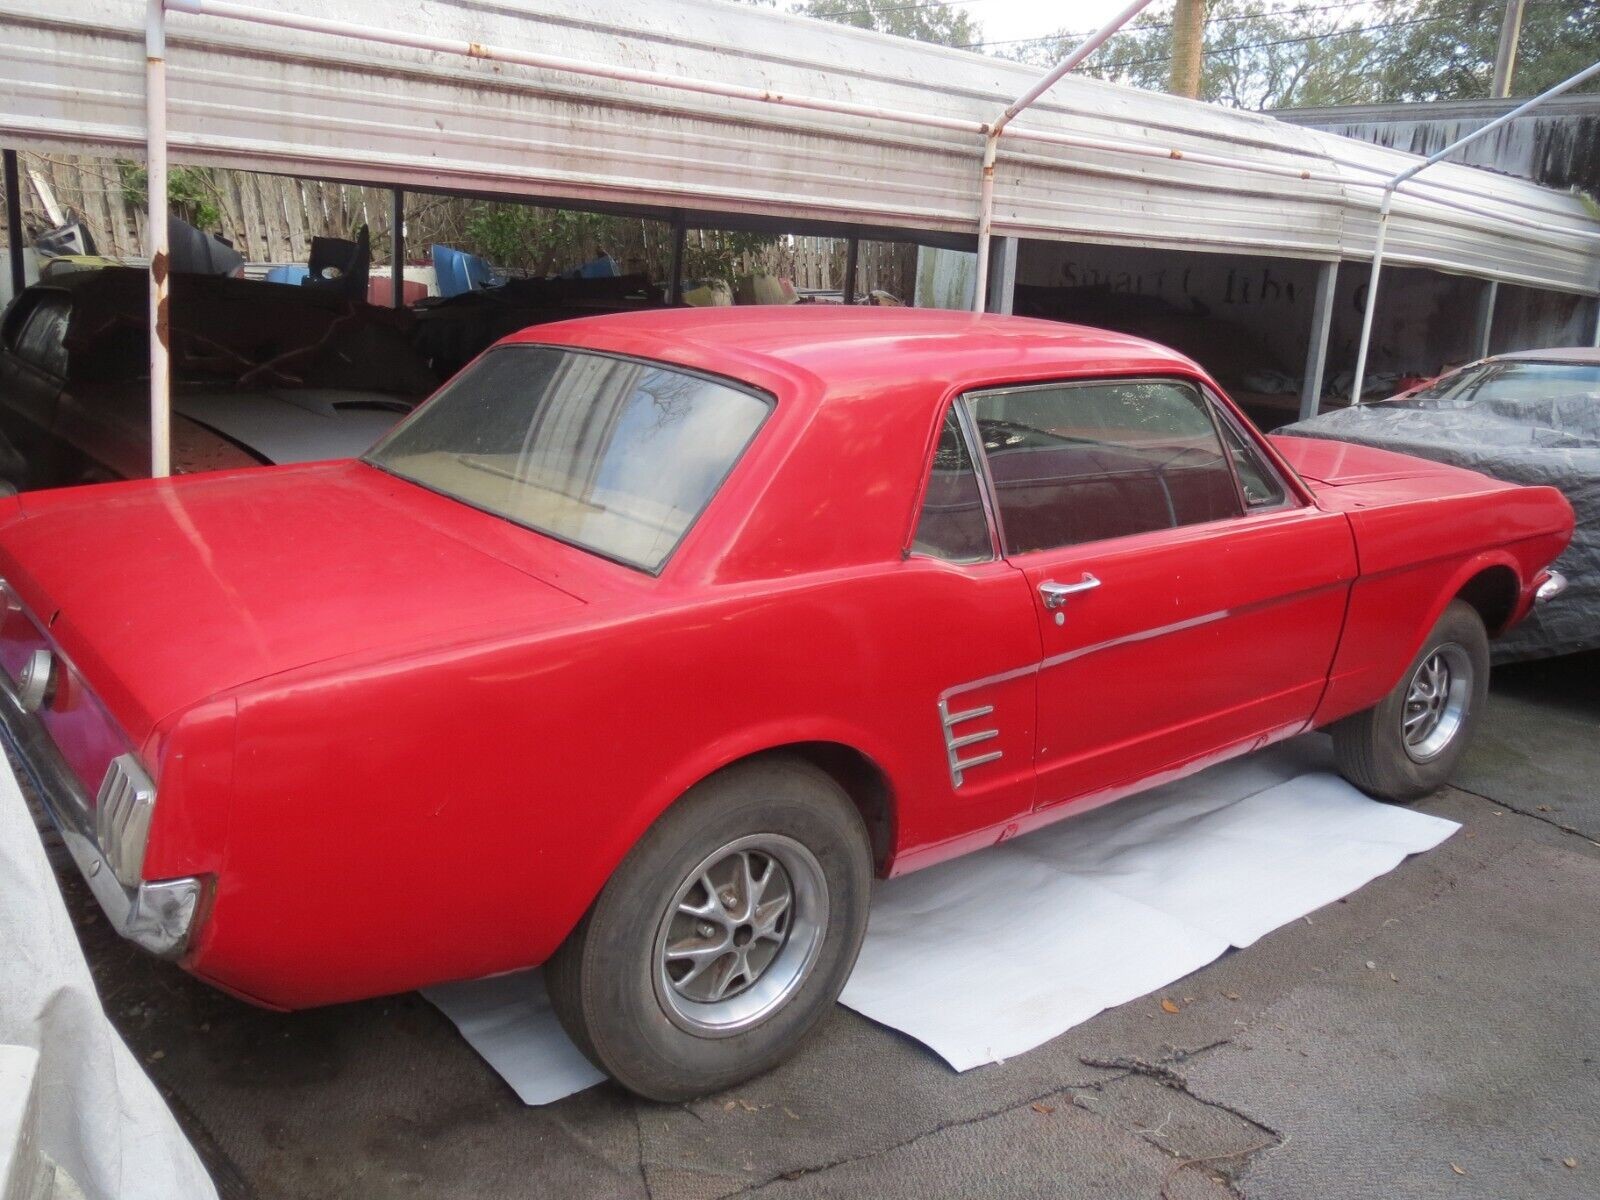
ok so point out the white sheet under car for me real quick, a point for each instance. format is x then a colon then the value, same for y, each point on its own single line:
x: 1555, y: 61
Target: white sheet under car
x: 1099, y: 910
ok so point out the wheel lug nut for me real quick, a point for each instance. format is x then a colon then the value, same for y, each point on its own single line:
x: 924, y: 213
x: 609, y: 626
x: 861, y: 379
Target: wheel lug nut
x: 729, y: 899
x: 706, y: 929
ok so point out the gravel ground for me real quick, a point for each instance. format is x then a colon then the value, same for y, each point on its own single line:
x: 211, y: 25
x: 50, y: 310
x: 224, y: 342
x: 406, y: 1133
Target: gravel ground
x: 1432, y: 1035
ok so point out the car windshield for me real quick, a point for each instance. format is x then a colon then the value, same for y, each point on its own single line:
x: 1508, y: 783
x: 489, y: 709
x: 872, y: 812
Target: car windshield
x: 1510, y: 383
x: 615, y: 455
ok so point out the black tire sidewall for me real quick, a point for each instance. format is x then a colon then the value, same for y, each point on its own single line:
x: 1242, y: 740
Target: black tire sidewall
x: 1462, y: 625
x: 624, y: 1028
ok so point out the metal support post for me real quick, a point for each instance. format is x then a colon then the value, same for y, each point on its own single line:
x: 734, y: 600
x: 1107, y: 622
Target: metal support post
x: 397, y: 245
x: 1317, y: 347
x: 155, y: 101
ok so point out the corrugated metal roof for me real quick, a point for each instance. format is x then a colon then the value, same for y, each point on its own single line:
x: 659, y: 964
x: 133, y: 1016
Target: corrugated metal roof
x: 293, y: 102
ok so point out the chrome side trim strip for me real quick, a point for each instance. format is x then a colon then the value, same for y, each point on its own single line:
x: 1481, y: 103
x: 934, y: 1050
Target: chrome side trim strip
x: 954, y: 742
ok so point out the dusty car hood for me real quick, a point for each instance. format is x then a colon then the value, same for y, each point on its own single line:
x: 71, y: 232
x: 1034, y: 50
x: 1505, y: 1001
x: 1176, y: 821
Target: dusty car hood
x: 163, y: 594
x: 295, y: 425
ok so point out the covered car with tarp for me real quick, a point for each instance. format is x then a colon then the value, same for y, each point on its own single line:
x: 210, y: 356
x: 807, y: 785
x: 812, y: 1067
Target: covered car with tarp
x: 1531, y: 417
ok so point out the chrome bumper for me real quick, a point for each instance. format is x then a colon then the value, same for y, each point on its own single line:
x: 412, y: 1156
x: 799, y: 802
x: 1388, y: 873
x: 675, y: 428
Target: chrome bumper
x: 1551, y: 586
x: 157, y: 916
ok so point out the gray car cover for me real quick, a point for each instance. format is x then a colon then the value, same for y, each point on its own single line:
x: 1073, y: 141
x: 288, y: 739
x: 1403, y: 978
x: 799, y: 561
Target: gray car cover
x: 1552, y: 440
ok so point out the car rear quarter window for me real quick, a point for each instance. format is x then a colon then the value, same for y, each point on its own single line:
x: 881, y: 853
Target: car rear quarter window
x: 1080, y: 462
x: 952, y: 525
x: 616, y: 455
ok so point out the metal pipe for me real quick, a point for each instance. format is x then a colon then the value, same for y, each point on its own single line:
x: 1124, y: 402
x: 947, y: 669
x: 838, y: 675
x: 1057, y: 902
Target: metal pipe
x: 397, y: 248
x: 551, y: 62
x: 1410, y: 173
x: 155, y: 115
x: 991, y: 141
x: 19, y: 271
x: 852, y: 249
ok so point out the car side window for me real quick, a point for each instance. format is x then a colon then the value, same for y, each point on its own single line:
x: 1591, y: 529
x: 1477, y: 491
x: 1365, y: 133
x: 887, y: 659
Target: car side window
x: 953, y: 525
x: 42, y: 340
x: 1080, y: 462
x: 1262, y: 487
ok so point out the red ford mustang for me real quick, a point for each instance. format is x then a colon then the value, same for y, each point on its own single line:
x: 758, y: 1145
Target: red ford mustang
x: 640, y: 647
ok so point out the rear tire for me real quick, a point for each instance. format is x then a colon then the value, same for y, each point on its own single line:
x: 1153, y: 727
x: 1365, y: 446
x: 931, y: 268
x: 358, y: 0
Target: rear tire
x: 1408, y: 744
x: 724, y: 937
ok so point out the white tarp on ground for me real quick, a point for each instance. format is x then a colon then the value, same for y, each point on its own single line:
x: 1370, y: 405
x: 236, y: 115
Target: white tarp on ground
x: 997, y: 952
x: 99, y: 1116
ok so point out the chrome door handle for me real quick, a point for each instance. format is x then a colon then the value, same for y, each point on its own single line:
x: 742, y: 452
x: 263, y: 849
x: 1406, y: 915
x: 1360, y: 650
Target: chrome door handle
x: 1055, y: 594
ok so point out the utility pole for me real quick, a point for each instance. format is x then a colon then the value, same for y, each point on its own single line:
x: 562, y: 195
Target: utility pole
x: 1505, y: 59
x: 1188, y: 38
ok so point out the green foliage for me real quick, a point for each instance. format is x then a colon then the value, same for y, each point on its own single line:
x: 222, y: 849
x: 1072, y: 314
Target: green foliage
x: 1446, y: 50
x: 716, y: 254
x: 944, y: 24
x: 191, y: 192
x: 1263, y: 55
x: 540, y: 240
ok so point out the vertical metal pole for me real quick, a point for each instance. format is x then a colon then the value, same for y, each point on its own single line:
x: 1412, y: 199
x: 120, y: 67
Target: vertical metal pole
x: 397, y: 244
x: 675, y: 272
x: 851, y: 250
x: 155, y: 116
x: 19, y: 273
x: 1595, y: 341
x: 1372, y: 296
x: 1505, y: 59
x: 980, y: 293
x: 1486, y: 301
x: 1317, y: 346
x: 1003, y: 276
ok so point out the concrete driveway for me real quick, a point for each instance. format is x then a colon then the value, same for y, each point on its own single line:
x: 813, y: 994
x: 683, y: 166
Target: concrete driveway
x: 1433, y: 1035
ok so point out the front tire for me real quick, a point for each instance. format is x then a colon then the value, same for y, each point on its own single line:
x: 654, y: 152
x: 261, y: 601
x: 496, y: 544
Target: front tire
x: 1408, y: 744
x: 724, y: 937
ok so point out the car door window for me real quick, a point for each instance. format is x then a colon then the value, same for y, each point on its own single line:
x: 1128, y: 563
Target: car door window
x: 953, y: 525
x: 1081, y: 462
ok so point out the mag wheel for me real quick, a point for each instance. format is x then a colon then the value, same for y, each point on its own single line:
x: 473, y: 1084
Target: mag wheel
x: 725, y: 935
x: 1408, y: 744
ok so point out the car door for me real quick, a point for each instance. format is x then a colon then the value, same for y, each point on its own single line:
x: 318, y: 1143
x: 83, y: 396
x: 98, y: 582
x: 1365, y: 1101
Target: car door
x: 1188, y: 600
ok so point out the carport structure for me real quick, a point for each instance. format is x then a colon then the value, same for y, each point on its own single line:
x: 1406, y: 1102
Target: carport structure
x: 755, y: 117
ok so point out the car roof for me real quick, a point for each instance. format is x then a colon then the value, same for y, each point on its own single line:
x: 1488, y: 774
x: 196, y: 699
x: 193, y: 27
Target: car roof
x: 846, y: 345
x: 1557, y: 354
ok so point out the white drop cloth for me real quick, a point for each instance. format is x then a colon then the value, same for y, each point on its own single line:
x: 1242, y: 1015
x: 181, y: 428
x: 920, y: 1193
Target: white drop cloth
x: 994, y: 953
x: 99, y: 1116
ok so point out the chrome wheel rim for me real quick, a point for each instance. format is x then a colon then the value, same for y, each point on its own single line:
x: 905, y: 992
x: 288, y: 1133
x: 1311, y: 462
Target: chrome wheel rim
x: 1436, y: 702
x: 740, y: 935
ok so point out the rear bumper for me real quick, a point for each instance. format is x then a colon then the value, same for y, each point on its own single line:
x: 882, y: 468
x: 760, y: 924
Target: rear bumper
x: 156, y: 916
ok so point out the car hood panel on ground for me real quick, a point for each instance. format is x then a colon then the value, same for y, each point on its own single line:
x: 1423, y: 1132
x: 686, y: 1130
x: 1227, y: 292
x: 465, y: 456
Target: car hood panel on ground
x: 246, y: 575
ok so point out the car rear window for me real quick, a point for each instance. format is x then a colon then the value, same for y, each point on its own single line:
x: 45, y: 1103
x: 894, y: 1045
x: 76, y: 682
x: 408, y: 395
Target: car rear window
x: 615, y: 455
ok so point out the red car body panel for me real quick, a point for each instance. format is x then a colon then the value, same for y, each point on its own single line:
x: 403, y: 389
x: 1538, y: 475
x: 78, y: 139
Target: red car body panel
x: 409, y: 741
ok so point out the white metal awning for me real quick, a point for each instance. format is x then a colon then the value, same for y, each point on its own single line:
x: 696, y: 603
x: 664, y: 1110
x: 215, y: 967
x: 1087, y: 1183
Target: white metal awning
x: 1126, y: 167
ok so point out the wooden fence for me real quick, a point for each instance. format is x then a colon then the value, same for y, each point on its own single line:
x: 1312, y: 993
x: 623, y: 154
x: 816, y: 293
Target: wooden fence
x: 272, y: 218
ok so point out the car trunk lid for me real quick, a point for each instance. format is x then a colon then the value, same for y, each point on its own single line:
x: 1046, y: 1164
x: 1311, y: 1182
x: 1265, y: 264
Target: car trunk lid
x: 162, y: 595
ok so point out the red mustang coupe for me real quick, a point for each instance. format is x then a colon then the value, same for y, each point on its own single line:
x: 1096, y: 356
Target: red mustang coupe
x: 641, y: 647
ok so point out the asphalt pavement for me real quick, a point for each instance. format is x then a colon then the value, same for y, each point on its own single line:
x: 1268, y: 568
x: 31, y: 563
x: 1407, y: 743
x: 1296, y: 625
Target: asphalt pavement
x: 1432, y: 1035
